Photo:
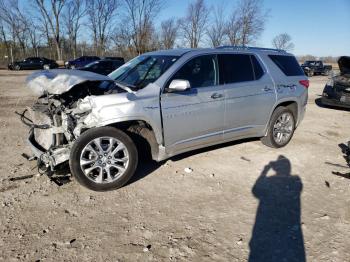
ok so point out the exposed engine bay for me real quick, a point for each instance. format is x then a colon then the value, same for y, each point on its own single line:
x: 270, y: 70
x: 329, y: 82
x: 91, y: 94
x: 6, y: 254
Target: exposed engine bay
x: 61, y: 113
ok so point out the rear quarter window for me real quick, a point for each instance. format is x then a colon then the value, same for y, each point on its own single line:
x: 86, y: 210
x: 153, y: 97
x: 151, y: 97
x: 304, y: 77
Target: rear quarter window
x: 288, y: 65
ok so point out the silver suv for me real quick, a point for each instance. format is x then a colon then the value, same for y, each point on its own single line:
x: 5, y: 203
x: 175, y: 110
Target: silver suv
x: 167, y: 102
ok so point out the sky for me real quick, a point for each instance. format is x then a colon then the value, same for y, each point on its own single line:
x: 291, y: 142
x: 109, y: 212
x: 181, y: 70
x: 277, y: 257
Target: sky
x: 317, y: 27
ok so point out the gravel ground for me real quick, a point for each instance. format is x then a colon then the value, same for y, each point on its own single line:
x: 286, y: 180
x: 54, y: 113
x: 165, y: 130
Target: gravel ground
x: 239, y: 201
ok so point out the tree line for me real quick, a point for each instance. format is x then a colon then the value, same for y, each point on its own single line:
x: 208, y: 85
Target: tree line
x: 62, y: 29
x: 65, y: 29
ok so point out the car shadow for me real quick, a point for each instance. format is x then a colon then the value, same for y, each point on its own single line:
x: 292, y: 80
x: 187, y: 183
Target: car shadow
x: 146, y: 165
x: 277, y: 233
x: 318, y: 102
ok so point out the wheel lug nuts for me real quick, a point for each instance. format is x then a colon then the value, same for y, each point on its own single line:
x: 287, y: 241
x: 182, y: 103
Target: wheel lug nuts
x: 109, y: 162
x: 109, y: 157
x: 105, y: 154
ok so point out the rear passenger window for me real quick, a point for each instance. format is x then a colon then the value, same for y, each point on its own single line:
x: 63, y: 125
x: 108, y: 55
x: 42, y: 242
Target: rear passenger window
x: 235, y: 68
x: 258, y: 71
x: 288, y: 65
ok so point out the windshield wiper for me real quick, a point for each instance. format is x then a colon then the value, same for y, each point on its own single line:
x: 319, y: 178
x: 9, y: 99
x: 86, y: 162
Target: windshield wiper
x: 124, y: 87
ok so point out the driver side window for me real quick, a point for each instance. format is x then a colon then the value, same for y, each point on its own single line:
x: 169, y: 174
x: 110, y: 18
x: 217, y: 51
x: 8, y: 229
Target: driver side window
x: 200, y: 71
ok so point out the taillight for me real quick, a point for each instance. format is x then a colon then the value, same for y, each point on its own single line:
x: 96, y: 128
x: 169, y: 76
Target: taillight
x: 304, y: 83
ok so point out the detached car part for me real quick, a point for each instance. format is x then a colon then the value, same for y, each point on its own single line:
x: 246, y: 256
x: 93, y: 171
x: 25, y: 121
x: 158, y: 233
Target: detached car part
x: 337, y: 91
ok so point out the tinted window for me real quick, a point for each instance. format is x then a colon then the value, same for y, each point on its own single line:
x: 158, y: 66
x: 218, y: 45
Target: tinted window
x: 235, y: 68
x: 199, y: 71
x: 258, y: 71
x: 288, y: 65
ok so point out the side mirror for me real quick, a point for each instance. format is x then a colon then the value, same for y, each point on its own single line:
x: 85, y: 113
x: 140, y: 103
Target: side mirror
x: 179, y: 85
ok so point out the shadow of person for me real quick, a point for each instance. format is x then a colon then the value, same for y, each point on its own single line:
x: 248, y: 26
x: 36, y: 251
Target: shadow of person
x: 277, y: 233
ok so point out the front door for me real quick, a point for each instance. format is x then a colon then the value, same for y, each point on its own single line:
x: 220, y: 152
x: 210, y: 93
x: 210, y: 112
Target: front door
x: 194, y: 117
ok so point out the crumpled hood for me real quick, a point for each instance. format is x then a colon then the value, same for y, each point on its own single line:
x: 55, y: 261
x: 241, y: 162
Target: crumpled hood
x: 344, y: 64
x: 59, y: 81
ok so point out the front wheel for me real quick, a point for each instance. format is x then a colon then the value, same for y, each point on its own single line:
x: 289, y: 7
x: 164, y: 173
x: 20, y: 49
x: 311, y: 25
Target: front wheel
x: 46, y: 67
x: 281, y: 128
x: 103, y: 159
x: 17, y: 67
x: 310, y: 73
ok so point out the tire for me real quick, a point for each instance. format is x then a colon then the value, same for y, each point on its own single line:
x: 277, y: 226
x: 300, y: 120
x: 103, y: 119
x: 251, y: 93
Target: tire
x: 72, y: 67
x: 17, y: 67
x: 310, y: 73
x: 85, y: 149
x: 270, y: 139
x: 46, y: 67
x: 326, y: 73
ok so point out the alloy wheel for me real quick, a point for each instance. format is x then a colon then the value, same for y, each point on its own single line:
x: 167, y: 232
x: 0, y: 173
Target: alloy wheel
x: 104, y: 159
x: 283, y: 128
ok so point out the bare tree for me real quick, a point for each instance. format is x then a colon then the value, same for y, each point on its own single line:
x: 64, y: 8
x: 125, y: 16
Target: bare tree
x: 283, y: 41
x: 233, y: 29
x: 168, y: 33
x: 193, y: 25
x: 252, y: 20
x: 15, y: 22
x: 141, y: 15
x: 75, y: 11
x: 34, y: 36
x: 100, y: 14
x: 51, y: 12
x: 217, y: 30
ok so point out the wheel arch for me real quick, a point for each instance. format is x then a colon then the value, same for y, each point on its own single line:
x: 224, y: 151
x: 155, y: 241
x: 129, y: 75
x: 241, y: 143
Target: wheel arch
x: 142, y: 132
x: 290, y: 104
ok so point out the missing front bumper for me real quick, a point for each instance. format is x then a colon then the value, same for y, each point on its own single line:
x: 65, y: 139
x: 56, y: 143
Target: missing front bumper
x: 49, y: 158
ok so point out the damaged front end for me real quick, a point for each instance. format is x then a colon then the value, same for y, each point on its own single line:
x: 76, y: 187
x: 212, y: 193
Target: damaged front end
x: 337, y: 90
x: 59, y: 115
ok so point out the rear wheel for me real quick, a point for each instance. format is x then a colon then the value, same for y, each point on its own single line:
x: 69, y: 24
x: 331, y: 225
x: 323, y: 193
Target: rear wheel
x: 46, y: 67
x: 281, y: 128
x: 103, y: 159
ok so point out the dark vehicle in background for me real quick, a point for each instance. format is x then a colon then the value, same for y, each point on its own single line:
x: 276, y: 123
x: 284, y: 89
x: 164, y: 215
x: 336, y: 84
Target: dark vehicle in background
x: 337, y: 90
x: 80, y: 61
x: 103, y: 67
x: 33, y: 63
x: 312, y: 68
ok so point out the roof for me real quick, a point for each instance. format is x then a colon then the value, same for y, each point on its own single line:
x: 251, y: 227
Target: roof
x: 182, y: 51
x: 171, y: 52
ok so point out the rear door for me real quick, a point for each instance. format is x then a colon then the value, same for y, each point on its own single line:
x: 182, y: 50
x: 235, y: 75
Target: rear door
x: 194, y: 117
x: 249, y: 95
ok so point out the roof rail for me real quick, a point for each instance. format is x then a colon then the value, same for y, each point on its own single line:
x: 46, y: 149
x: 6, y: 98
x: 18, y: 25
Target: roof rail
x: 237, y: 47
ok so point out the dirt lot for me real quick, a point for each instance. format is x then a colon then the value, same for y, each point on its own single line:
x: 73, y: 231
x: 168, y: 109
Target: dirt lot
x: 225, y: 210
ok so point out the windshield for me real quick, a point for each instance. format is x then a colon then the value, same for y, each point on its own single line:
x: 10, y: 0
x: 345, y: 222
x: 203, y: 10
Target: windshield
x: 311, y: 63
x: 142, y: 70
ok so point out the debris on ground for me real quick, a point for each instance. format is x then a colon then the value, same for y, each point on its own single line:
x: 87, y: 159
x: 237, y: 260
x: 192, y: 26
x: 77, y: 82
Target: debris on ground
x: 188, y: 170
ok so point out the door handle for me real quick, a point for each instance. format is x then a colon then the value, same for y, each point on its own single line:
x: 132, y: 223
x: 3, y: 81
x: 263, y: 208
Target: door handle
x: 216, y: 96
x: 267, y: 89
